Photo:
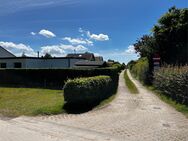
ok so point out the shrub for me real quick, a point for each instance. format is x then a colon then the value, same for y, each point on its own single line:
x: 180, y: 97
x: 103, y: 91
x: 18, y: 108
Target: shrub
x: 49, y: 78
x: 173, y: 82
x: 140, y: 69
x: 88, y: 90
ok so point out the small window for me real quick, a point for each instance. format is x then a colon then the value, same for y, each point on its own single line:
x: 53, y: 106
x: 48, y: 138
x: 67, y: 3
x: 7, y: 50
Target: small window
x: 3, y: 65
x: 17, y: 65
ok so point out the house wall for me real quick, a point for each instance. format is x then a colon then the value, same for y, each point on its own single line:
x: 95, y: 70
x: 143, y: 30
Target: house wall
x: 41, y: 63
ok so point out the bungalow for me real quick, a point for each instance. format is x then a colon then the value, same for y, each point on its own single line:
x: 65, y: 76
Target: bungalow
x: 10, y: 61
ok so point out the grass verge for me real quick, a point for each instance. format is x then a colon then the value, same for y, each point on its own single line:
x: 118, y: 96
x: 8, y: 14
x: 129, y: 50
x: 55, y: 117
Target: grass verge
x: 29, y: 101
x: 131, y: 86
x: 106, y: 101
x: 179, y: 107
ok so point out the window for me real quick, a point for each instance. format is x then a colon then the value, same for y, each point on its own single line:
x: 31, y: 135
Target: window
x: 3, y: 65
x: 17, y: 65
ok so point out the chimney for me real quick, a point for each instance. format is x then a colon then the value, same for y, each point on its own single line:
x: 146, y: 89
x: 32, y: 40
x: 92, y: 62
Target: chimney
x: 38, y: 54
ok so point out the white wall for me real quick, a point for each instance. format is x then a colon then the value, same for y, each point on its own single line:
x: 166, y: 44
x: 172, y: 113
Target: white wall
x: 41, y: 63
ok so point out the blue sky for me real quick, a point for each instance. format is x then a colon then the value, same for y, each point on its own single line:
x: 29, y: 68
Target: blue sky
x: 107, y: 28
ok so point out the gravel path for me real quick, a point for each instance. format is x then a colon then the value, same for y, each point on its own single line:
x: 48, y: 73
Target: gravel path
x: 141, y: 117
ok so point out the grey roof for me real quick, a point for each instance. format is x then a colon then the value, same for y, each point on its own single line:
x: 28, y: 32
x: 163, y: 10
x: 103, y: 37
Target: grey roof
x: 90, y: 63
x: 87, y: 56
x: 5, y: 53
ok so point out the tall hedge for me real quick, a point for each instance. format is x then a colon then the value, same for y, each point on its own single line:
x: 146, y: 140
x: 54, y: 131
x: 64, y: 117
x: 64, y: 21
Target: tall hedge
x: 140, y: 69
x: 173, y: 82
x: 88, y: 90
x: 49, y: 78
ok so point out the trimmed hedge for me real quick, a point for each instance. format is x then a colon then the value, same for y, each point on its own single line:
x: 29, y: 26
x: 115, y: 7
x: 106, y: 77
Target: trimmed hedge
x: 173, y: 82
x: 49, y: 78
x: 88, y: 90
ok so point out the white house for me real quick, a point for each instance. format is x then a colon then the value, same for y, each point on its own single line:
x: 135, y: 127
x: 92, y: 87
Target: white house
x: 9, y: 61
x: 82, y: 60
x: 38, y: 63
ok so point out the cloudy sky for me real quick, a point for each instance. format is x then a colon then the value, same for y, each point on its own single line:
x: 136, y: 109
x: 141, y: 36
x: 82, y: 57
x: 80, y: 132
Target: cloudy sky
x: 104, y: 27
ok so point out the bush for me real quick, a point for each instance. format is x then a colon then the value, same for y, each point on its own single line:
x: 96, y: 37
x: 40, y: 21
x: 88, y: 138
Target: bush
x: 49, y: 78
x: 140, y: 69
x: 88, y: 90
x: 173, y: 82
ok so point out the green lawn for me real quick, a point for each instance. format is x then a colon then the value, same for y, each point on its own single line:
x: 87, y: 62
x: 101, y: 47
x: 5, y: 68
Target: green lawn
x: 131, y: 86
x: 29, y: 101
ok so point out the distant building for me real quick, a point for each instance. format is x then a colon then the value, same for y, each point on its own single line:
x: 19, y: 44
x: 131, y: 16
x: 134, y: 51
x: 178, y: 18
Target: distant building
x: 98, y: 58
x: 86, y: 56
x: 90, y: 64
x: 10, y: 61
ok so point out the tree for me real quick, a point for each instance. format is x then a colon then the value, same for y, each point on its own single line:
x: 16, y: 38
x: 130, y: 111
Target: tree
x: 146, y: 47
x: 47, y: 55
x: 171, y: 35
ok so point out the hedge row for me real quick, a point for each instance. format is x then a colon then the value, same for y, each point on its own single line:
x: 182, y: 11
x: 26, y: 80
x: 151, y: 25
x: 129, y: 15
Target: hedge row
x: 49, y: 78
x: 173, y: 82
x: 88, y: 90
x: 140, y: 70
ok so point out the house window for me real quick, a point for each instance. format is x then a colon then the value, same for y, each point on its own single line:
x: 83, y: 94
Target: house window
x: 17, y: 65
x: 3, y: 65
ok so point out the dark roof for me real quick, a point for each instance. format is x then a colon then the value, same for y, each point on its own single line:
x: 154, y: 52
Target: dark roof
x: 98, y: 58
x: 8, y: 52
x: 90, y: 63
x: 87, y: 56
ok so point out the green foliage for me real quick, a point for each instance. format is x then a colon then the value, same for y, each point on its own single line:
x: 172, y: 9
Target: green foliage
x: 171, y: 36
x: 168, y: 39
x: 47, y: 55
x: 145, y: 46
x: 49, y: 78
x: 172, y: 82
x: 27, y: 101
x: 88, y: 90
x: 141, y: 70
x: 131, y: 86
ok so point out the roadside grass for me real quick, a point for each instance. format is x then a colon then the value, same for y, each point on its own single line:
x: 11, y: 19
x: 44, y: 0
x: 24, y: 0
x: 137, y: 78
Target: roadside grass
x: 179, y: 107
x: 131, y: 86
x: 29, y: 101
x: 106, y: 101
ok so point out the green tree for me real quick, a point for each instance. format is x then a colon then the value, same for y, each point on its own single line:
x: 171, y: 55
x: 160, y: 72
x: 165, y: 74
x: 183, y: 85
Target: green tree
x: 47, y: 55
x: 171, y: 35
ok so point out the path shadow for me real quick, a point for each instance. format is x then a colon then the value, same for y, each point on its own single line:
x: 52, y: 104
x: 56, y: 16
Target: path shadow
x: 79, y: 108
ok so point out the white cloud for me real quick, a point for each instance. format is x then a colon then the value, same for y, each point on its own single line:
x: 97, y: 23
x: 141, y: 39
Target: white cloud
x: 62, y: 49
x: 76, y: 41
x: 33, y: 33
x: 18, y: 49
x: 53, y: 50
x: 47, y: 33
x: 99, y: 37
x: 81, y: 30
x: 130, y: 49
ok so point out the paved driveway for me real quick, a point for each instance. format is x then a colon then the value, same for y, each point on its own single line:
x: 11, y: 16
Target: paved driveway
x: 141, y: 117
